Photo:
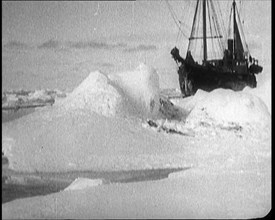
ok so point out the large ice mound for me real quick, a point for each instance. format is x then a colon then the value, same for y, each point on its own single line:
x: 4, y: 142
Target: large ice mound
x: 225, y: 107
x: 94, y: 94
x: 141, y: 89
x: 133, y: 92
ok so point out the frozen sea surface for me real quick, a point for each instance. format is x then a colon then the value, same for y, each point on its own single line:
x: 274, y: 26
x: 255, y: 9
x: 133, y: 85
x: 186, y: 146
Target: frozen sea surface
x: 230, y: 157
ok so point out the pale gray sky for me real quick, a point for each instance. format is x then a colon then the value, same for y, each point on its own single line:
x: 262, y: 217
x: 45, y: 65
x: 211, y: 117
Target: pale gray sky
x: 40, y: 21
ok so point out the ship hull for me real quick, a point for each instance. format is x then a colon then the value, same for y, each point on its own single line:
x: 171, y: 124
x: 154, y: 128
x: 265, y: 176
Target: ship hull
x: 194, y: 76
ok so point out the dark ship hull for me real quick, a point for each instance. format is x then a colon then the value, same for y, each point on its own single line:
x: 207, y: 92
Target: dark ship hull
x: 193, y: 76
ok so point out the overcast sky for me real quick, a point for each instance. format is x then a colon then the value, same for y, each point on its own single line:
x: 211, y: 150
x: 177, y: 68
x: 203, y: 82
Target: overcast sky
x: 40, y: 21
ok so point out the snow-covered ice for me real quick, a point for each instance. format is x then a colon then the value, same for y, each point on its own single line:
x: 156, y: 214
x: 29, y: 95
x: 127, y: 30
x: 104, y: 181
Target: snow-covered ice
x: 99, y: 120
x: 228, y: 107
x: 197, y: 194
x: 224, y: 136
x: 94, y: 94
x: 263, y: 91
x: 76, y: 134
x: 19, y: 98
x: 82, y: 183
x: 141, y: 86
x: 133, y: 92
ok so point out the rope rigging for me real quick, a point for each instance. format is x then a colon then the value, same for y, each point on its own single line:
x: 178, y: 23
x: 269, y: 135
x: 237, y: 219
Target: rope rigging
x: 211, y: 32
x: 183, y: 17
x: 187, y: 11
x: 216, y: 42
x: 176, y: 20
x: 222, y: 22
x: 242, y: 32
x: 217, y: 27
x: 197, y: 30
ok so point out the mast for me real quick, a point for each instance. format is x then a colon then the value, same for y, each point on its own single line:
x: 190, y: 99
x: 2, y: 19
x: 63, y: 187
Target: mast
x: 193, y: 26
x: 204, y: 31
x: 234, y: 28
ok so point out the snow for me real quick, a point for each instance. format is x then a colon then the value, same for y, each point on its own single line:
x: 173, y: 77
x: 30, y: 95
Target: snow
x: 39, y: 94
x: 263, y: 91
x: 19, y: 98
x: 197, y: 194
x: 228, y: 107
x: 188, y: 103
x: 208, y: 113
x: 94, y: 94
x: 86, y: 130
x: 11, y: 99
x: 127, y: 93
x: 224, y: 137
x: 141, y: 86
x: 63, y: 141
x: 82, y: 183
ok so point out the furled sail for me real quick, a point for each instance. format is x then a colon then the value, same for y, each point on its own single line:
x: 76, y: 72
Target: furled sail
x: 238, y: 46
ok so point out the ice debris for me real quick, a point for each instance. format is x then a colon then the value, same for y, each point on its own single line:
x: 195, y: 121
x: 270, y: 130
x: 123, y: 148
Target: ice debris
x: 83, y: 183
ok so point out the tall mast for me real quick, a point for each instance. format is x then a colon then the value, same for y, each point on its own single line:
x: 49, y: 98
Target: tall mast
x: 204, y: 31
x: 234, y: 28
x: 193, y: 26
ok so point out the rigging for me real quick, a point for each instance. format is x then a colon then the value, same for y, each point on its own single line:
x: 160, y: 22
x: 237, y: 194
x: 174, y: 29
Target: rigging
x: 176, y: 20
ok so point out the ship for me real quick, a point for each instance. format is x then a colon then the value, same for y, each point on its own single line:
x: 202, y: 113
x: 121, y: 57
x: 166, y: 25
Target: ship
x: 234, y: 69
